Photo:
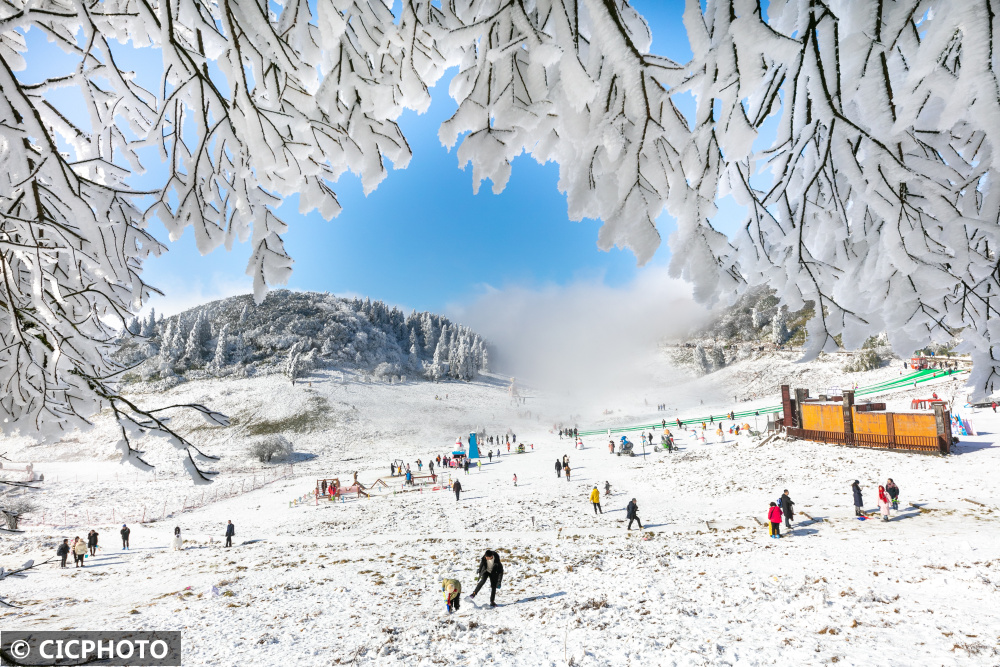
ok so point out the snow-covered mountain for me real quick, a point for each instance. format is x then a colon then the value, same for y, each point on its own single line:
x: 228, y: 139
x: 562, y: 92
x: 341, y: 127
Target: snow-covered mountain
x: 294, y: 332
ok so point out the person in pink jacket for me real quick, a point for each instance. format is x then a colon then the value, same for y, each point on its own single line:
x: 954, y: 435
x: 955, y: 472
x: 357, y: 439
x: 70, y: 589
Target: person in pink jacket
x: 774, y: 517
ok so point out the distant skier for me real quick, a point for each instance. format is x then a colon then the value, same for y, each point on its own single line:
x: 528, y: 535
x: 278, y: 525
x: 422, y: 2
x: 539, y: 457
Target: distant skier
x: 774, y: 517
x: 559, y: 468
x: 893, y: 491
x: 457, y: 488
x: 632, y: 514
x: 858, y: 503
x: 785, y: 503
x: 491, y: 569
x: 125, y: 532
x: 595, y: 498
x: 230, y: 532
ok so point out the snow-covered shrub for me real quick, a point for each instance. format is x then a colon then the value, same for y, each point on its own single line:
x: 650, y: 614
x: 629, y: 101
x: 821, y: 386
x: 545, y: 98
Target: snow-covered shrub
x: 270, y: 448
x: 867, y: 359
x: 15, y: 508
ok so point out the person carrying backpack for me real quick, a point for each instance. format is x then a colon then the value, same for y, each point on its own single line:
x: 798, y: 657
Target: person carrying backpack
x: 63, y: 552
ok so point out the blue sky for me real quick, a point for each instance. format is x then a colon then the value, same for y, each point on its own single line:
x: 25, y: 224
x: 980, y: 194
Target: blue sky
x: 422, y: 239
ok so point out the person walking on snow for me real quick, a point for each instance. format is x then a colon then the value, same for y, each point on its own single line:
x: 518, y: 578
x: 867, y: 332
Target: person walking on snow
x: 595, y: 498
x: 611, y: 446
x: 515, y: 480
x: 491, y: 456
x: 466, y: 466
x: 883, y: 503
x: 491, y: 569
x: 178, y: 543
x: 63, y: 552
x: 508, y: 448
x: 559, y: 468
x: 230, y: 532
x: 607, y: 489
x: 858, y: 503
x: 632, y: 514
x: 457, y: 488
x: 125, y: 533
x: 92, y: 542
x: 566, y: 470
x: 893, y: 491
x: 785, y: 503
x: 774, y: 518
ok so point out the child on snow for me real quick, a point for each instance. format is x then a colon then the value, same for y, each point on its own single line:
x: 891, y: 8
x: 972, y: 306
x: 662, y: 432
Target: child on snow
x: 452, y: 593
x: 883, y: 503
x: 774, y: 517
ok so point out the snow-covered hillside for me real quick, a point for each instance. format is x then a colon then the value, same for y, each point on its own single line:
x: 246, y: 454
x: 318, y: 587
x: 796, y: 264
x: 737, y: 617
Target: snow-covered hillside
x: 359, y: 581
x: 294, y: 332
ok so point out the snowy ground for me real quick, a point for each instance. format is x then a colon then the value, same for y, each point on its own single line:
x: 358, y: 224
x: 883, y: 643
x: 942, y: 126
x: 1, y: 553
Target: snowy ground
x: 359, y: 582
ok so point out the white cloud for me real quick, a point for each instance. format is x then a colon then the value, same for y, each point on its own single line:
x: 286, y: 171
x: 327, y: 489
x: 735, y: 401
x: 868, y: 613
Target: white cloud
x: 584, y: 334
x: 180, y: 294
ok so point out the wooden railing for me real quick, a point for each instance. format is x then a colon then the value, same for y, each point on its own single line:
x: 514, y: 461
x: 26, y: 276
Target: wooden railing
x: 908, y: 443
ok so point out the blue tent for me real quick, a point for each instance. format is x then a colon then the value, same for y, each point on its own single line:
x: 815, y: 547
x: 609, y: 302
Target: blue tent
x: 473, y: 447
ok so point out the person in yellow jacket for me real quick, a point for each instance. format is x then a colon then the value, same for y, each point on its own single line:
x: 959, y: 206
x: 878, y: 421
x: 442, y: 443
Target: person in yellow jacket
x: 595, y: 498
x: 452, y: 593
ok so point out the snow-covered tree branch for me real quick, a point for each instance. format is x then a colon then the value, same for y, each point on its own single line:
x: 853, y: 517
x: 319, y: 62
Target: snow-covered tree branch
x: 874, y: 200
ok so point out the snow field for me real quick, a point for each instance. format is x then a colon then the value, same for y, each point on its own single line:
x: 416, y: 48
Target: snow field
x: 360, y: 580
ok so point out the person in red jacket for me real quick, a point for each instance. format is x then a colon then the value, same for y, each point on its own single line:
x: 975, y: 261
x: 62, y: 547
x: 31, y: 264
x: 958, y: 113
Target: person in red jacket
x: 774, y: 516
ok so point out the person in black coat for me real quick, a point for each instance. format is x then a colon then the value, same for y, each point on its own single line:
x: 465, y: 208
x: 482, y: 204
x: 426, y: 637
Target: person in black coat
x: 457, y: 488
x: 92, y: 542
x: 632, y: 514
x: 230, y: 532
x: 125, y: 532
x: 63, y: 552
x: 490, y: 568
x: 858, y: 504
x: 558, y: 468
x: 785, y: 503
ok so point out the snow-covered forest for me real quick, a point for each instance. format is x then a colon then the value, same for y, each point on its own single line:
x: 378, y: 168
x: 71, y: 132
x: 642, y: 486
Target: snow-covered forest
x: 295, y: 332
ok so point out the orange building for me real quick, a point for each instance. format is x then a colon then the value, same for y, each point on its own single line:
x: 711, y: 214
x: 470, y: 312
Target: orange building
x: 837, y: 419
